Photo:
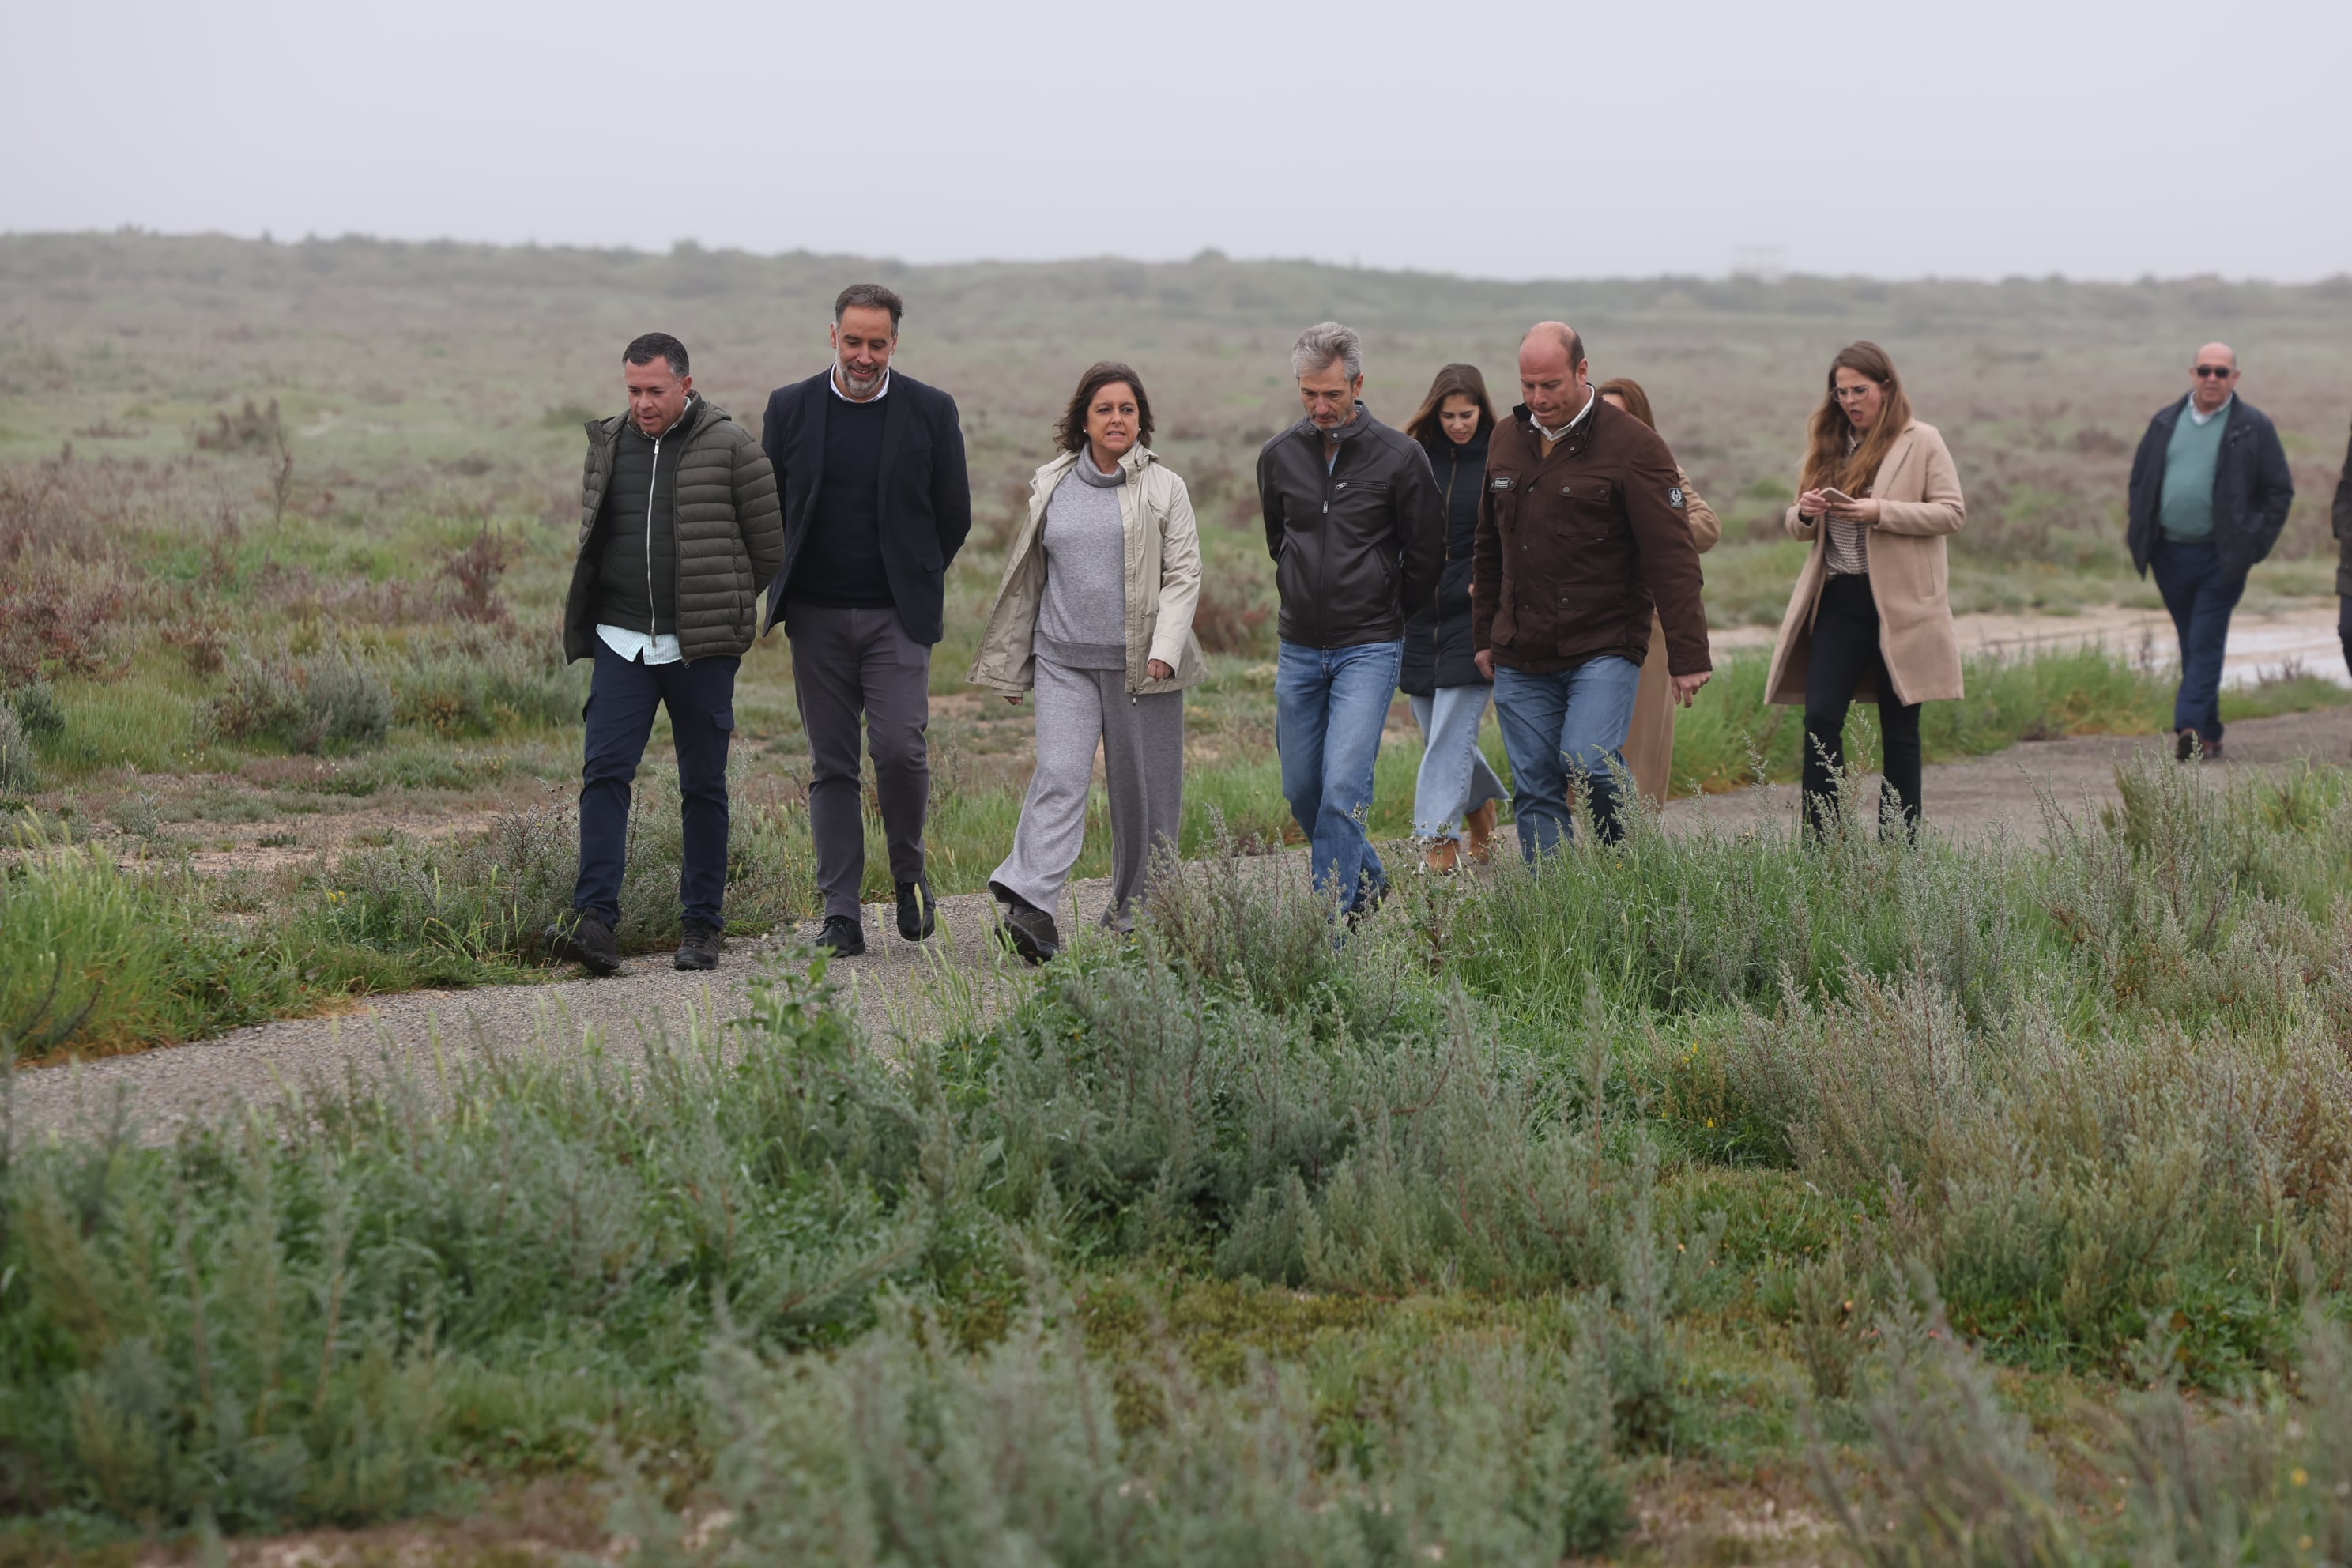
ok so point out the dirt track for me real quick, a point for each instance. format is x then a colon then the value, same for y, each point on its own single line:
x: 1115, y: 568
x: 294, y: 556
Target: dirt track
x: 899, y: 984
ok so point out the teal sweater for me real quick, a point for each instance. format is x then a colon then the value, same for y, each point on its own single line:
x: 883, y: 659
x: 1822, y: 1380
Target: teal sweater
x: 2186, y: 512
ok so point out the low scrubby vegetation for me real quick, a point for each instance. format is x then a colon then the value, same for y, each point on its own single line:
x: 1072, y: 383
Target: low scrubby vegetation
x: 1432, y: 1244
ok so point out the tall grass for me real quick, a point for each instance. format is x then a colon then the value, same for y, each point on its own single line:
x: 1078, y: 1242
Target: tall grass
x: 1901, y: 1109
x: 100, y: 960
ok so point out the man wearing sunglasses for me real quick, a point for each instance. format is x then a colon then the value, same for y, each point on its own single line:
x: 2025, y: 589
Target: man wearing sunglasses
x: 2209, y: 492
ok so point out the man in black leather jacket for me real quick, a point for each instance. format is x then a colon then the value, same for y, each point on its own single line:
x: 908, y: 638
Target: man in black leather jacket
x: 1357, y: 532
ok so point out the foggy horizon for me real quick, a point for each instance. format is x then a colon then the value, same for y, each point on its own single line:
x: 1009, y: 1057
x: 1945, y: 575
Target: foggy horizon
x: 1761, y: 272
x: 1696, y: 138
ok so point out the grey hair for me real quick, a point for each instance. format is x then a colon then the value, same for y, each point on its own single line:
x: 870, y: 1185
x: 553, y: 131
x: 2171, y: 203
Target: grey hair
x: 1324, y: 341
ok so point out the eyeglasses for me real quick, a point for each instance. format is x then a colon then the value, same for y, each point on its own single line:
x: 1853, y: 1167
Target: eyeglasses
x: 1848, y: 393
x: 2215, y: 371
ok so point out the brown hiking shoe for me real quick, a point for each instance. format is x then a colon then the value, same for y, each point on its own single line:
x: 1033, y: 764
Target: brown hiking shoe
x: 1443, y: 856
x: 1481, y: 824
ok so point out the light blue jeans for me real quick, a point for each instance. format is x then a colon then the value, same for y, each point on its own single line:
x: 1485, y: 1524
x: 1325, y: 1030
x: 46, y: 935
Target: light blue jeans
x: 1558, y: 726
x: 1455, y: 776
x: 1329, y: 706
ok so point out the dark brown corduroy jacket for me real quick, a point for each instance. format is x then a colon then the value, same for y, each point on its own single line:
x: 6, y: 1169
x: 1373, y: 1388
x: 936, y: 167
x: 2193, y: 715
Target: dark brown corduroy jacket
x: 729, y: 533
x: 1574, y: 549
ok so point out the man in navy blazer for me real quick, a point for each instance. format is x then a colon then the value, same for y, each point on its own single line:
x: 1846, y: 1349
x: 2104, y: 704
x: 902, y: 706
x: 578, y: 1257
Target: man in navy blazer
x: 870, y: 466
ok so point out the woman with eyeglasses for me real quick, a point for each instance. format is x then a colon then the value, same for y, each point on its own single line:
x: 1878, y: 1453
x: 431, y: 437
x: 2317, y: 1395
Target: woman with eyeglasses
x: 1650, y: 739
x: 1872, y: 614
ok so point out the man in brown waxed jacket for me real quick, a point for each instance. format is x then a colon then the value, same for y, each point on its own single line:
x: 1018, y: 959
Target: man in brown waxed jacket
x: 1581, y: 531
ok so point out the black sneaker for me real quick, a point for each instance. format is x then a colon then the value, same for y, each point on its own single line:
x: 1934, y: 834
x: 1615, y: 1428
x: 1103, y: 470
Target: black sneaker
x: 844, y: 936
x: 1029, y: 931
x: 2184, y: 746
x: 580, y: 938
x: 701, y: 947
x: 918, y: 915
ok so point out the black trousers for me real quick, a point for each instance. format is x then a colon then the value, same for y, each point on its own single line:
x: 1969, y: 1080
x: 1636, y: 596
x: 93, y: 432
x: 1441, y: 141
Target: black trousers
x: 622, y: 701
x: 1845, y: 648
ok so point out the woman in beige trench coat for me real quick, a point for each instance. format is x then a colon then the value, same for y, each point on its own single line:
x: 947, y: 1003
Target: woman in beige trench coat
x: 1872, y: 614
x: 1650, y: 739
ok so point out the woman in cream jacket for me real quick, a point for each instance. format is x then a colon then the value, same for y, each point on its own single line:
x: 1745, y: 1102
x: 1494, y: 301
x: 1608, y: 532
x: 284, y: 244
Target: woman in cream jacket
x: 1095, y: 614
x: 1871, y: 614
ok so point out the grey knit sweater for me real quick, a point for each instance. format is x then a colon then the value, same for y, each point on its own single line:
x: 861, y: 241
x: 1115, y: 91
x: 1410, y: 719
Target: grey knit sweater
x: 1082, y: 620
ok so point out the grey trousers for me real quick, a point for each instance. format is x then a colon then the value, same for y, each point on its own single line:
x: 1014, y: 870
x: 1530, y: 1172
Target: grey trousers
x: 848, y: 665
x: 1142, y: 741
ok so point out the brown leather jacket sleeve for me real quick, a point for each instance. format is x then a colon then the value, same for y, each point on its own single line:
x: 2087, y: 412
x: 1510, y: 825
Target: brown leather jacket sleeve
x: 1670, y: 568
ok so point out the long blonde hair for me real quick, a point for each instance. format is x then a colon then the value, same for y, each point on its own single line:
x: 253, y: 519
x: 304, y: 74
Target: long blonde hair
x: 1829, y: 462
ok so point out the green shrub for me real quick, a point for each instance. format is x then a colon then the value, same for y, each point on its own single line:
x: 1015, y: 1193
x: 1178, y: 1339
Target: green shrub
x: 902, y: 1450
x: 481, y: 680
x: 38, y: 710
x: 330, y: 700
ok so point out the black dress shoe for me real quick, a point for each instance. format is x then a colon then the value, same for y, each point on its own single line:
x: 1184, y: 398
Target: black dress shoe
x: 582, y: 939
x: 2184, y: 746
x: 843, y: 935
x: 701, y: 947
x: 918, y: 916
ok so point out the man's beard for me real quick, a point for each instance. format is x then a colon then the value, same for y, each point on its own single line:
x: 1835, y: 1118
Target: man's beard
x: 860, y: 385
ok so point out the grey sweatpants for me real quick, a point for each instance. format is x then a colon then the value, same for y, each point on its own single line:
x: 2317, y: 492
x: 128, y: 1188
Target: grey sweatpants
x: 1142, y: 741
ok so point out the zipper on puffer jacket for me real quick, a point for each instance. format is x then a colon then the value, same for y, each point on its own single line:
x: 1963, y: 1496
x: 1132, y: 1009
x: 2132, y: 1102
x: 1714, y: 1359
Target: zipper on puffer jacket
x: 653, y: 611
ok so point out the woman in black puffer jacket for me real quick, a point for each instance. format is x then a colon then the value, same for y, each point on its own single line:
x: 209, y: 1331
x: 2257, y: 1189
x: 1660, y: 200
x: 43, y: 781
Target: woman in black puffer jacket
x: 1457, y: 789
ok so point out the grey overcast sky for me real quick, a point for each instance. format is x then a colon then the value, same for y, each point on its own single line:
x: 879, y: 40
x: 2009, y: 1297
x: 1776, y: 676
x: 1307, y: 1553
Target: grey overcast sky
x: 1980, y: 138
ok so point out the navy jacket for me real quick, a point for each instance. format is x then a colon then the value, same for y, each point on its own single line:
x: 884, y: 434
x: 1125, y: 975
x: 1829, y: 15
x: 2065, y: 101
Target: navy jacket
x: 926, y: 495
x: 1437, y: 643
x: 2252, y: 487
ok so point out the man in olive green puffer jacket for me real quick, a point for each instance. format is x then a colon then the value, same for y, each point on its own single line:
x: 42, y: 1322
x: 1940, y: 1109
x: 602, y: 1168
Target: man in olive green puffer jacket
x: 679, y: 534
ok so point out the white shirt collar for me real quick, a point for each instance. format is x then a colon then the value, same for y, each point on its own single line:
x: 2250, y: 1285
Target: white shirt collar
x: 832, y: 380
x: 2202, y: 418
x: 1590, y: 397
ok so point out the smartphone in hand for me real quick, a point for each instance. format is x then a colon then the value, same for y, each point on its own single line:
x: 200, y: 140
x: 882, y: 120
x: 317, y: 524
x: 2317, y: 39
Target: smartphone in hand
x: 1836, y: 497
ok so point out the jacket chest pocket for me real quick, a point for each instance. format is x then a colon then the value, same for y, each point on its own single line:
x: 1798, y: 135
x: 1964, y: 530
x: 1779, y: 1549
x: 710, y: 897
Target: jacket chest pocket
x: 1591, y: 506
x: 1503, y: 496
x: 1361, y: 498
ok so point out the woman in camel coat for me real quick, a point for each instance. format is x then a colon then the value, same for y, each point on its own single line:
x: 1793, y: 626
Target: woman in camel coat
x: 1650, y: 741
x: 1872, y: 614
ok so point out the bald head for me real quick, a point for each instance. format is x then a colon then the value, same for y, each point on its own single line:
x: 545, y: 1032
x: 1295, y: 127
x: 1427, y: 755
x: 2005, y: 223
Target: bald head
x: 2214, y: 376
x: 1554, y: 380
x: 1559, y: 333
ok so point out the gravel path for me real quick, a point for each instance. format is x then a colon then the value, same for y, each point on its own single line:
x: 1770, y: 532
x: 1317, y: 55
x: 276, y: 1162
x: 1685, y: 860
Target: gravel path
x: 902, y: 987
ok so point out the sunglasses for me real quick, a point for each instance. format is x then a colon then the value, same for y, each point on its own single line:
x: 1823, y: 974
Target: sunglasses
x: 2215, y: 371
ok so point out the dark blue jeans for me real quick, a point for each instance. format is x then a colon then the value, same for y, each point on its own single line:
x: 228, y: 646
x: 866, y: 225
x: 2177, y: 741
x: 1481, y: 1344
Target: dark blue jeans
x: 2201, y: 597
x: 620, y: 714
